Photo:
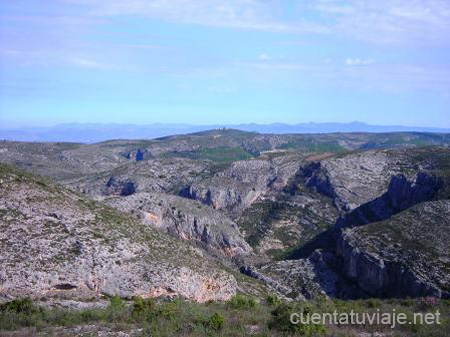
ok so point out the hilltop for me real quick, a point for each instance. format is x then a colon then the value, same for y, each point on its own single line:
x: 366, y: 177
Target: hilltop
x: 92, y: 133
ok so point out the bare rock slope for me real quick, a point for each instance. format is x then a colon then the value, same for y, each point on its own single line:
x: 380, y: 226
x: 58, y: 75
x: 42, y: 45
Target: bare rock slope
x: 407, y: 255
x: 185, y: 219
x: 56, y: 243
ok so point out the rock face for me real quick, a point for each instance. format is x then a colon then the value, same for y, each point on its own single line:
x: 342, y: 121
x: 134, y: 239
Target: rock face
x: 307, y: 278
x: 54, y: 243
x: 138, y: 155
x: 315, y: 178
x: 282, y: 220
x: 401, y: 194
x: 395, y: 245
x: 354, y: 179
x: 240, y: 185
x: 153, y: 175
x: 404, y: 256
x: 234, y: 189
x: 185, y: 219
x: 118, y: 187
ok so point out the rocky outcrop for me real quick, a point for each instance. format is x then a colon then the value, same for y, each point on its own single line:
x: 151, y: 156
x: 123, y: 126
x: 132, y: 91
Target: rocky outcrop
x: 401, y: 195
x: 54, y: 243
x: 253, y: 272
x: 355, y: 179
x: 185, y: 219
x: 120, y: 187
x: 138, y: 155
x: 306, y: 278
x: 315, y: 177
x: 291, y: 193
x: 406, y: 255
x: 234, y: 189
x: 382, y: 278
x: 153, y: 175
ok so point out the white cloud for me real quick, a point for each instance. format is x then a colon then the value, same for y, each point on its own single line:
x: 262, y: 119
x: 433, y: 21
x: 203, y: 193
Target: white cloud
x: 414, y: 22
x: 356, y: 75
x: 382, y: 22
x: 87, y: 63
x: 264, y: 57
x: 247, y: 14
x: 358, y: 62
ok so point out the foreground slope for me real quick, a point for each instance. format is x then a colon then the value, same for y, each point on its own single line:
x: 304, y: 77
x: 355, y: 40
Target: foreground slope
x: 56, y: 243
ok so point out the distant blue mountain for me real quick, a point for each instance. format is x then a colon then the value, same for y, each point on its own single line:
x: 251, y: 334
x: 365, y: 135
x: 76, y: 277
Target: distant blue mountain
x: 91, y: 133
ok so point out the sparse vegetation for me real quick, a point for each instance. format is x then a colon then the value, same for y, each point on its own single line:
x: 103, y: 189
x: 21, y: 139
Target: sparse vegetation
x: 219, y: 154
x: 182, y: 318
x: 242, y: 302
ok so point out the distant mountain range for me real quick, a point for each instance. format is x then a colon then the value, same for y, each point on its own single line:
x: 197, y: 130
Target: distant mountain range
x: 91, y: 133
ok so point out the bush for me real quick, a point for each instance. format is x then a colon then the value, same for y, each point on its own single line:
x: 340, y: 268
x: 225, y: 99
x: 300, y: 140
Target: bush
x: 242, y: 302
x: 373, y: 303
x: 148, y: 309
x: 25, y: 306
x: 216, y: 322
x: 169, y: 310
x: 273, y: 300
x: 117, y: 310
x: 281, y: 320
x: 116, y: 303
x: 143, y: 307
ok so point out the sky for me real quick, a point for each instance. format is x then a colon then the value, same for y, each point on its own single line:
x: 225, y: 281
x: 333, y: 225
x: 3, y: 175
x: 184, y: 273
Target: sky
x: 224, y: 62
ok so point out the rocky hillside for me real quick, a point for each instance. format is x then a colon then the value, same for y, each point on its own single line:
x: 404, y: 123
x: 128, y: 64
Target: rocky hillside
x: 55, y: 243
x: 305, y: 215
x: 407, y: 255
x: 68, y: 160
x: 391, y: 246
x: 185, y: 219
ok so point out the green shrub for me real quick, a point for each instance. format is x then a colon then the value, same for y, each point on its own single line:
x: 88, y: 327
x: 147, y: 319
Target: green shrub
x: 169, y: 310
x: 143, y: 307
x: 273, y: 300
x: 116, y: 303
x: 117, y: 310
x: 242, y: 302
x: 24, y: 305
x: 216, y: 322
x: 92, y: 315
x: 373, y: 303
x: 148, y: 309
x: 281, y: 320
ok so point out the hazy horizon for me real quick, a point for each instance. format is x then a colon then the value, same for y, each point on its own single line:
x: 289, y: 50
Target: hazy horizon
x: 97, y: 132
x: 187, y: 124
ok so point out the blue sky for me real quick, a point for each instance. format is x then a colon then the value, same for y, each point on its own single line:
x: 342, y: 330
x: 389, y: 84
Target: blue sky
x: 234, y: 61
